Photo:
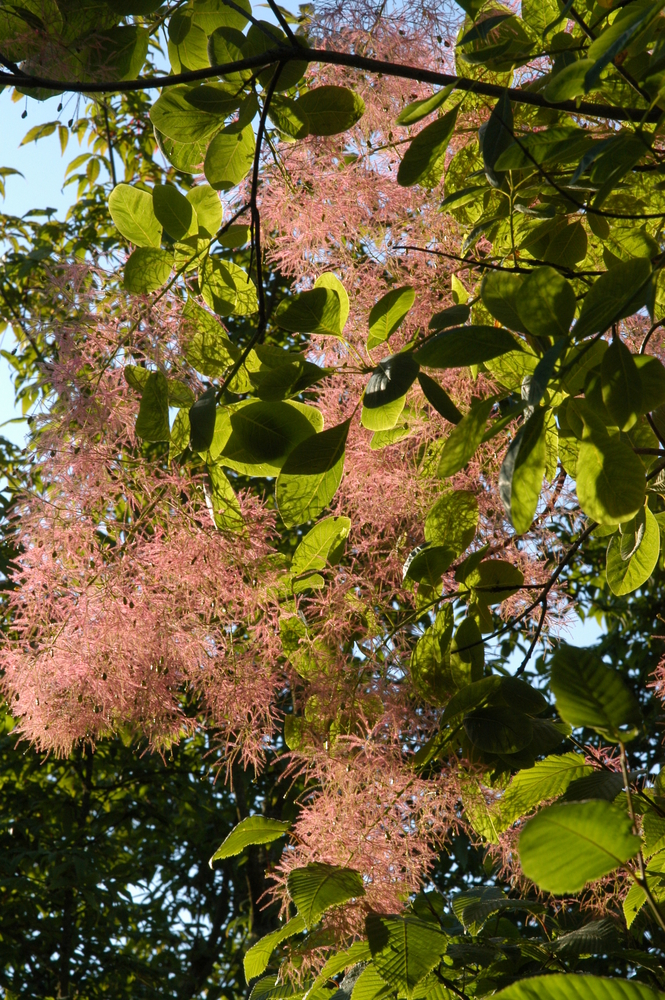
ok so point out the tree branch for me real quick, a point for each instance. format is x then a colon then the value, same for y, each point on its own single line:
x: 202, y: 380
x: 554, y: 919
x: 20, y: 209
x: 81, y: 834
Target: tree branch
x: 285, y: 54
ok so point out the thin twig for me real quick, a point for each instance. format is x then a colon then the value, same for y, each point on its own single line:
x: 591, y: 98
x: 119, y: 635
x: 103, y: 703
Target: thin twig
x: 522, y: 667
x: 258, y: 334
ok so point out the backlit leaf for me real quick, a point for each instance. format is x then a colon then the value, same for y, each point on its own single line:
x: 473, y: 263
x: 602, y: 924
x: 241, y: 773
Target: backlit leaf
x: 589, y: 693
x: 132, y: 212
x: 522, y: 471
x: 404, y: 949
x: 564, y: 847
x: 311, y: 475
x: 466, y: 345
x: 460, y: 447
x: 330, y: 110
x: 147, y: 270
x: 425, y: 157
x: 152, y: 423
x: 610, y: 480
x: 252, y: 830
x: 317, y: 887
x: 255, y: 960
x: 388, y: 313
x: 230, y: 157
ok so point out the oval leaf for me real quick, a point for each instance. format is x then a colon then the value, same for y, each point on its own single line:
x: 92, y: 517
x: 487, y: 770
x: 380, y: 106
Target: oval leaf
x: 566, y: 846
x: 330, y: 110
x: 132, y: 212
x: 252, y: 830
x: 317, y: 887
x: 466, y: 345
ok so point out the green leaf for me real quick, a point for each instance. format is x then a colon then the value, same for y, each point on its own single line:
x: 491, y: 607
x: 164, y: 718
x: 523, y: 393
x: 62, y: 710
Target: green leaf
x: 633, y: 903
x: 624, y: 575
x: 324, y: 538
x: 317, y: 887
x: 263, y: 434
x: 465, y: 345
x: 568, y: 83
x: 207, y: 206
x: 290, y: 119
x: 597, y: 785
x: 121, y: 51
x: 152, y: 423
x: 456, y: 315
x: 590, y: 694
x: 500, y: 292
x: 187, y: 44
x: 132, y: 212
x: 174, y: 212
x: 494, y: 580
x: 428, y: 563
x: 610, y: 480
x: 573, y: 986
x: 235, y: 236
x: 546, y: 303
x: 467, y: 653
x: 418, y: 110
x: 497, y: 729
x: 330, y: 110
x: 207, y: 349
x: 429, y: 668
x: 652, y: 379
x: 564, y: 847
x: 230, y: 157
x: 252, y: 830
x: 214, y: 98
x: 497, y: 135
x: 460, y: 447
x: 256, y: 960
x: 179, y: 439
x: 185, y: 156
x: 453, y: 521
x: 522, y: 471
x: 622, y: 386
x: 614, y: 295
x: 358, y: 952
x: 315, y: 311
x: 370, y: 986
x: 330, y: 280
x: 226, y: 45
x: 470, y: 697
x: 388, y: 313
x: 437, y: 397
x: 311, y: 475
x: 226, y: 510
x: 287, y: 380
x: 424, y: 160
x: 473, y: 908
x: 180, y: 394
x: 202, y: 416
x: 174, y: 116
x: 547, y: 779
x: 404, y: 949
x: 147, y: 270
x: 568, y: 246
x: 228, y: 289
x: 386, y: 390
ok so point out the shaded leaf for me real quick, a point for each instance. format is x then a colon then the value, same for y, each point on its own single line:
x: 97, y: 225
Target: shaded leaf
x: 311, y: 474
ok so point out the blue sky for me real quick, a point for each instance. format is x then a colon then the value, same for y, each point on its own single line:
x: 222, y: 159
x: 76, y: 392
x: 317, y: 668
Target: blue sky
x: 41, y: 187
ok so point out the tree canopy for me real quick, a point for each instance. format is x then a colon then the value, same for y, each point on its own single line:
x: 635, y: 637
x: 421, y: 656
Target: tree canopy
x: 345, y: 388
